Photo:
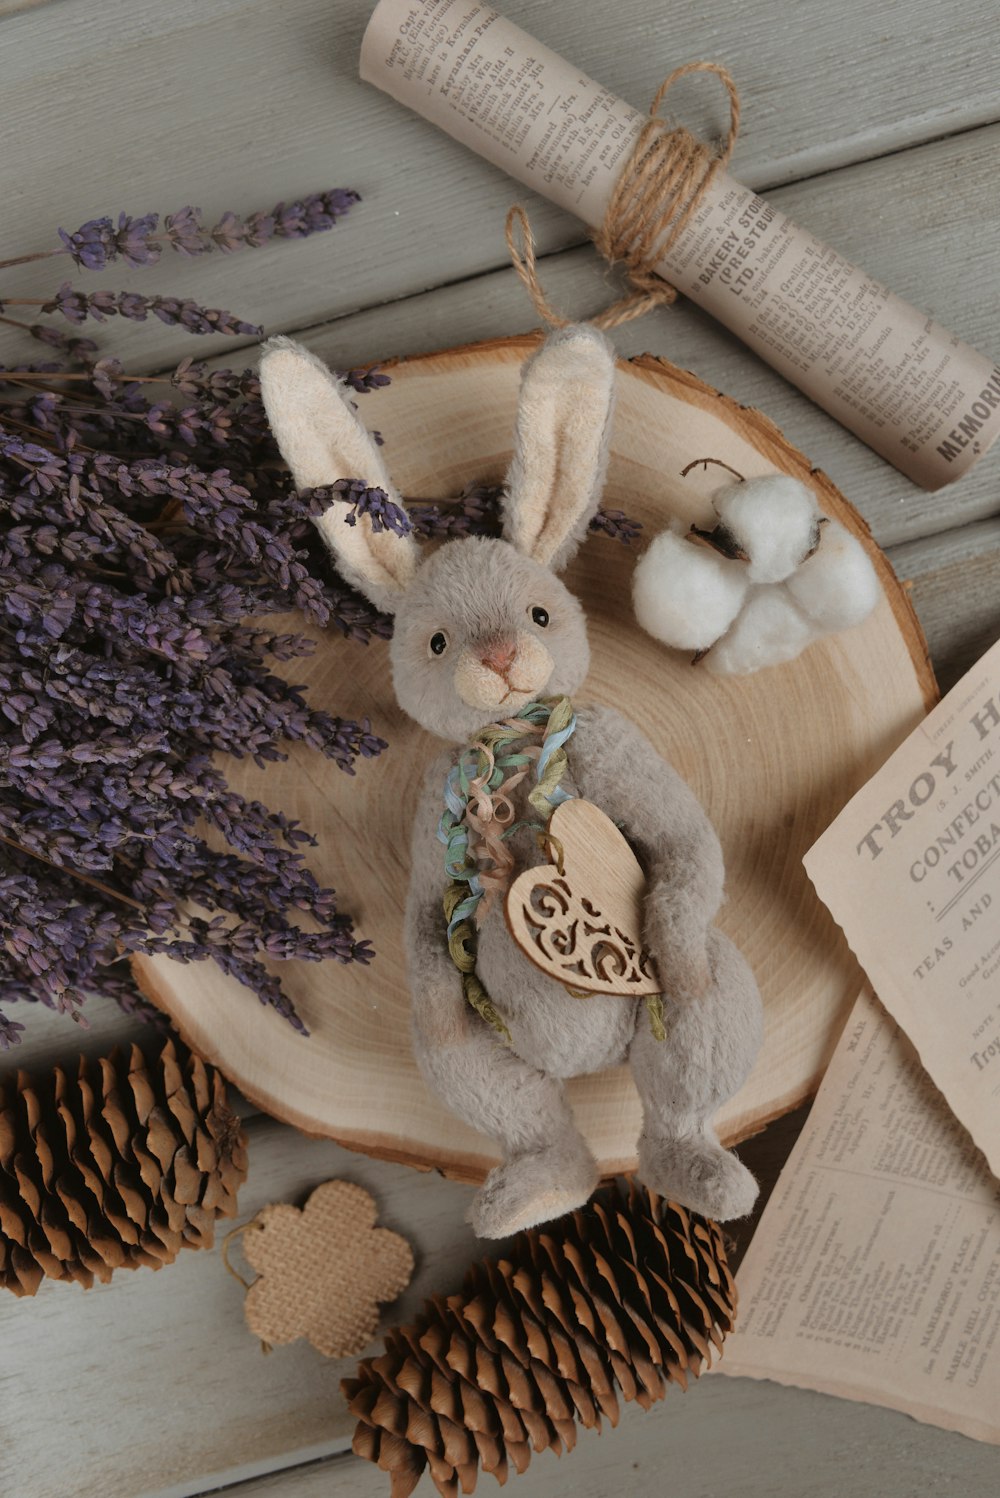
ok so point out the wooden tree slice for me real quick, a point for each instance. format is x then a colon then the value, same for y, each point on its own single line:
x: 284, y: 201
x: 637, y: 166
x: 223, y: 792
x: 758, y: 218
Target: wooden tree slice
x: 773, y: 758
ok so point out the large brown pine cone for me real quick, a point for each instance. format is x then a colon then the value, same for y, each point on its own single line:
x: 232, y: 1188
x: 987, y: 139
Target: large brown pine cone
x: 123, y: 1164
x: 626, y: 1295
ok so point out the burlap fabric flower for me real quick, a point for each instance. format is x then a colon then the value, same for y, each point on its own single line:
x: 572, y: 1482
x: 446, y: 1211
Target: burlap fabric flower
x: 323, y: 1270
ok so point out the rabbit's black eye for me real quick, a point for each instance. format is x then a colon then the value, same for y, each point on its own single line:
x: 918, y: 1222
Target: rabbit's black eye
x: 439, y: 643
x: 540, y: 616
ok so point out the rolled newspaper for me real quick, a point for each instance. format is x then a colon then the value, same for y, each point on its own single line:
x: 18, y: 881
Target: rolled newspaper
x: 900, y: 381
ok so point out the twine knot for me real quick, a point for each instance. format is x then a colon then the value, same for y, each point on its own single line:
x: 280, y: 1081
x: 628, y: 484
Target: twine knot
x: 660, y: 189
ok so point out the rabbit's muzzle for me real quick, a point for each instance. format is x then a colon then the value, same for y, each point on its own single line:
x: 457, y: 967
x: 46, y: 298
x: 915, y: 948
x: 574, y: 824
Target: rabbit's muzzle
x: 504, y: 672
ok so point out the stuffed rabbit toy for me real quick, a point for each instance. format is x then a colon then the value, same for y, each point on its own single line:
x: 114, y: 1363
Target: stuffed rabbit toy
x: 481, y: 628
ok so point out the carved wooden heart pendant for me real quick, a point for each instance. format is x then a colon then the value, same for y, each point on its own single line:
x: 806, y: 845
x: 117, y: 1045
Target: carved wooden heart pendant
x: 580, y: 919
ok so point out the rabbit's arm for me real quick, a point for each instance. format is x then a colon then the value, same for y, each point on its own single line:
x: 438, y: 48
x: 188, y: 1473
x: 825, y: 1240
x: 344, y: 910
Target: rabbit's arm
x: 616, y: 767
x: 440, y: 1015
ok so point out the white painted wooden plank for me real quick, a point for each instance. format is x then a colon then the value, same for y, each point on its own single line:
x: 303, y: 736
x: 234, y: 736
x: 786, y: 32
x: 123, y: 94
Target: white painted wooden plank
x: 947, y: 261
x: 237, y: 103
x: 52, y: 1039
x: 956, y: 593
x: 10, y: 7
x: 335, y: 1458
x: 174, y: 1347
x: 724, y: 1436
x: 80, y: 1369
x: 155, y: 1378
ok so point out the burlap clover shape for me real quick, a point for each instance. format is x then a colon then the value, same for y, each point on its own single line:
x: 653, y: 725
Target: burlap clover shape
x: 323, y: 1270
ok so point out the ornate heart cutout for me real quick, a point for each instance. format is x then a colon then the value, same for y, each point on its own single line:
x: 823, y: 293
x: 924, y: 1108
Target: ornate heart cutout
x: 580, y: 920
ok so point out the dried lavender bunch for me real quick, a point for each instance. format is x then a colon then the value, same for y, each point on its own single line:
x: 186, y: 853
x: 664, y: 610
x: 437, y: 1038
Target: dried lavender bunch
x: 132, y: 650
x: 148, y: 534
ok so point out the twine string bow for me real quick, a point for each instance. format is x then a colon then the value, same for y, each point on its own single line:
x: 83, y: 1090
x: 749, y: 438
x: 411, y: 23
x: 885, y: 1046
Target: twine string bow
x: 660, y: 189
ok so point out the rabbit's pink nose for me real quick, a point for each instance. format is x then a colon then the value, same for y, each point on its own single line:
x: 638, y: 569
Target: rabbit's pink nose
x: 499, y: 656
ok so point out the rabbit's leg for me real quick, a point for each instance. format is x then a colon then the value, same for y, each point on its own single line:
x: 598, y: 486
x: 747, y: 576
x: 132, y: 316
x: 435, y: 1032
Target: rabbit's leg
x: 547, y: 1168
x: 709, y: 1049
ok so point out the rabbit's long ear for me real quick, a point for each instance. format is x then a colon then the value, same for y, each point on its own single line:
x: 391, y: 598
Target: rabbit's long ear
x: 322, y: 440
x: 561, y: 444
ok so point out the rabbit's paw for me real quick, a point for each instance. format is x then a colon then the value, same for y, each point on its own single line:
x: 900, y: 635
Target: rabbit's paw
x: 534, y: 1188
x: 689, y: 973
x: 698, y: 1173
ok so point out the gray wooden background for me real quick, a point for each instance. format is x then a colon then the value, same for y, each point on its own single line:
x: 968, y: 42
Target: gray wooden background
x: 878, y: 126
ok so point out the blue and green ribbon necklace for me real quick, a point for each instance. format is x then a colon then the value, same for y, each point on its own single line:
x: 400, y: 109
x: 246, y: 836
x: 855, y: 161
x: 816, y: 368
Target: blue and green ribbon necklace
x: 495, y: 758
x: 497, y: 754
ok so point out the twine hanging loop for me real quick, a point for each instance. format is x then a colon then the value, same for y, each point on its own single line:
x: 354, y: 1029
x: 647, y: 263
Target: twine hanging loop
x: 660, y: 189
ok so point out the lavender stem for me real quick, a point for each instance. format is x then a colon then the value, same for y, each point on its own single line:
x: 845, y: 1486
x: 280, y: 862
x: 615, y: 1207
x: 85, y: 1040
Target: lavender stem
x: 26, y: 259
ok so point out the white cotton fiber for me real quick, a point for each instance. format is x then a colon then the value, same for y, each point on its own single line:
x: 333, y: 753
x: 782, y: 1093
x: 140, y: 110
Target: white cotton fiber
x: 771, y: 629
x: 838, y: 586
x: 774, y: 521
x: 799, y: 580
x: 684, y: 594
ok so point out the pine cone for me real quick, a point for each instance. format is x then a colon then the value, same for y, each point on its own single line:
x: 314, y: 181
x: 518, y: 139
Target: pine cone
x: 630, y: 1293
x: 124, y: 1165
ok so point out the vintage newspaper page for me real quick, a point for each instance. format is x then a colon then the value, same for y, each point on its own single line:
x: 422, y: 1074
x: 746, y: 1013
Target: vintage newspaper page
x: 911, y: 871
x: 902, y: 382
x: 875, y: 1271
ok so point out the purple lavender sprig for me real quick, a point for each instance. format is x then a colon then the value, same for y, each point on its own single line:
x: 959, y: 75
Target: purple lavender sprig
x: 362, y: 381
x: 11, y: 1030
x: 77, y: 306
x: 140, y: 241
x: 478, y: 512
x: 617, y: 525
x: 362, y: 499
x: 97, y: 242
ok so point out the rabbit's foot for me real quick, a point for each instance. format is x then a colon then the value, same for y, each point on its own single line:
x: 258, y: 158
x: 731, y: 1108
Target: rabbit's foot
x: 698, y: 1173
x: 533, y: 1188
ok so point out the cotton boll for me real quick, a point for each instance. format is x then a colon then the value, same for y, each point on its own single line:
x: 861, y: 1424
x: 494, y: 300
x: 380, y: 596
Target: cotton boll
x: 838, y: 586
x: 770, y: 629
x: 686, y: 595
x: 774, y: 521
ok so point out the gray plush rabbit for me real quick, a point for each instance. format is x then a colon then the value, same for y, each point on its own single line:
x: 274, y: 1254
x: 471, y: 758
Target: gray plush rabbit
x: 483, y: 631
